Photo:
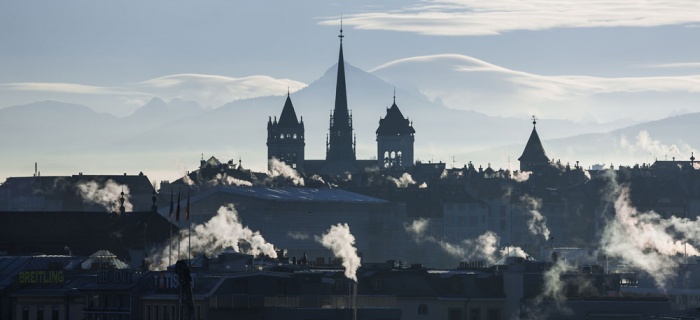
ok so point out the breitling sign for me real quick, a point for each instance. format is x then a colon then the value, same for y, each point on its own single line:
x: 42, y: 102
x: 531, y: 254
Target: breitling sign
x: 41, y: 277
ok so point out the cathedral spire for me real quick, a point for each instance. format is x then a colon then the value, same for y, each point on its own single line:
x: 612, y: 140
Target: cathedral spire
x: 340, y: 145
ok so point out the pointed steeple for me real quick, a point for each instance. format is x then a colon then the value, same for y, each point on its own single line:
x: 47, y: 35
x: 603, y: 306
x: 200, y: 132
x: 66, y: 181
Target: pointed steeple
x: 340, y: 146
x: 340, y: 111
x: 288, y: 118
x: 534, y: 154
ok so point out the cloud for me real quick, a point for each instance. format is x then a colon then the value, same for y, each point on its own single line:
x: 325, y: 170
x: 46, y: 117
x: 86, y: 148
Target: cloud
x: 675, y: 65
x: 480, y: 18
x: 213, y: 90
x: 496, y: 90
x: 207, y: 90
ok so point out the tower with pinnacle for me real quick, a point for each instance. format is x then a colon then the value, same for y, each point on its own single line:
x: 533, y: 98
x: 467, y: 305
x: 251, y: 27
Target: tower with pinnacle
x: 395, y: 137
x: 285, y: 138
x: 340, y: 143
x: 533, y: 156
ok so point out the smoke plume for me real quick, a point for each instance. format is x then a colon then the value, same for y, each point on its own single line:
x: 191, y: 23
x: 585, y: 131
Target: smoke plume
x: 647, y: 241
x: 484, y: 247
x: 520, y: 176
x: 537, y: 224
x: 280, y: 169
x: 226, y: 180
x: 297, y: 235
x: 646, y: 144
x: 402, y: 182
x: 221, y: 232
x: 106, y: 195
x: 341, y: 242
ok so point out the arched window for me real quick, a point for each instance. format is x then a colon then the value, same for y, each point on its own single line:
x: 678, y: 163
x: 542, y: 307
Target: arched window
x: 422, y: 309
x: 281, y: 135
x: 294, y: 136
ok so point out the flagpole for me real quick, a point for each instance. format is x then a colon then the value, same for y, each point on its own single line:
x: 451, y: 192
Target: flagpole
x: 189, y: 229
x: 179, y: 225
x: 170, y: 227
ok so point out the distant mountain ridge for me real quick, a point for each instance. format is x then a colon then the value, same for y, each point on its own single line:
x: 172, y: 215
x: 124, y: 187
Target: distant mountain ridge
x: 164, y: 137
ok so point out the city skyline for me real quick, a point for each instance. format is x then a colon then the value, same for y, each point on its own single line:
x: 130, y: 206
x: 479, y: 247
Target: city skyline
x: 584, y: 62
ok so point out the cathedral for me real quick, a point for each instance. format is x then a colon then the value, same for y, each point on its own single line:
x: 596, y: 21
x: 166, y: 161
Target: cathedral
x: 395, y: 137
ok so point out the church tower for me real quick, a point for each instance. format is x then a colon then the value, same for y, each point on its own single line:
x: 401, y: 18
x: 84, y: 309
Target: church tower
x: 340, y: 144
x: 533, y: 156
x: 395, y: 137
x: 285, y: 138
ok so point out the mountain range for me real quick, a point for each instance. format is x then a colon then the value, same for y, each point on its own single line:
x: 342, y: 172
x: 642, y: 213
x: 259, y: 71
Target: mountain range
x: 165, y: 139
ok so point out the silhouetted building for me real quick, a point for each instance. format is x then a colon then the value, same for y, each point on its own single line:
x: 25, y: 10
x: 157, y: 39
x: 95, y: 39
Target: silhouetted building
x: 285, y: 138
x: 533, y: 157
x: 65, y: 193
x: 395, y: 137
x: 340, y: 149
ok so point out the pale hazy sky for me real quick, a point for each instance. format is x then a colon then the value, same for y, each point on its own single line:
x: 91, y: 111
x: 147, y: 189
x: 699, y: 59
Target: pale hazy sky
x: 565, y: 51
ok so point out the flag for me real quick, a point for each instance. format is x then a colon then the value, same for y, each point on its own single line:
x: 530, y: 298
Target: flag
x: 170, y: 216
x: 177, y: 213
x: 187, y: 209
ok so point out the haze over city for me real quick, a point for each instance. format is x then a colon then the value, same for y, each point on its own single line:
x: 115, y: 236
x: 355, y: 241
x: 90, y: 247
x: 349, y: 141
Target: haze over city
x: 596, y: 66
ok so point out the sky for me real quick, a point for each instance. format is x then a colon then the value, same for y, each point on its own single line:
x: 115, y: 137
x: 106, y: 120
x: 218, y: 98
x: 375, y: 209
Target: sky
x: 583, y: 60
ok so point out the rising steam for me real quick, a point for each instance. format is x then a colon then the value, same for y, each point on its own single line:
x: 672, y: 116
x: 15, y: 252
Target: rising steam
x: 106, y: 195
x: 280, y: 169
x: 341, y: 242
x: 537, y: 224
x: 484, y: 247
x: 221, y: 232
x: 403, y: 181
x: 647, y: 241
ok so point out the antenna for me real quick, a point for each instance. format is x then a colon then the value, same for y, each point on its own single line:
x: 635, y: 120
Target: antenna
x: 341, y: 36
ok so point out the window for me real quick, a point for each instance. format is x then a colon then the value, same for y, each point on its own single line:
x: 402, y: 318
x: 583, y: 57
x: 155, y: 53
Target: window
x: 54, y: 313
x: 25, y: 313
x: 377, y: 284
x: 422, y: 309
x: 493, y: 314
x: 454, y: 314
x: 475, y: 314
x: 40, y: 313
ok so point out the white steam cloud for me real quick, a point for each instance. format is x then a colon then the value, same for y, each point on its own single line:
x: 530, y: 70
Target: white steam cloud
x: 647, y: 241
x: 280, y: 169
x: 403, y: 181
x: 537, y: 224
x: 341, y: 242
x: 226, y: 180
x: 297, y: 235
x: 520, y: 176
x: 106, y: 195
x: 646, y: 144
x: 221, y: 232
x: 484, y: 247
